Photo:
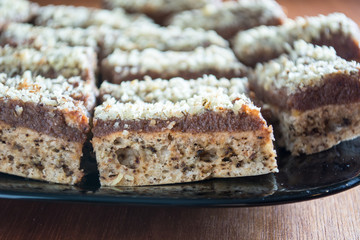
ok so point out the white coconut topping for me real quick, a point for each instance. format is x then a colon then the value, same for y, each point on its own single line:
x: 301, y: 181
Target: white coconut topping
x: 160, y: 6
x: 57, y: 93
x: 269, y: 40
x: 214, y: 101
x: 38, y: 37
x: 305, y: 66
x: 174, y: 90
x: 70, y: 16
x: 66, y: 61
x: 171, y: 38
x: 243, y: 14
x: 139, y: 37
x: 15, y: 10
x: 173, y: 63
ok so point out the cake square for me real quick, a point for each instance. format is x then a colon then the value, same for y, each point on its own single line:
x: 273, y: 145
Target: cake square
x: 263, y: 43
x: 229, y: 17
x: 162, y: 38
x: 50, y: 62
x: 26, y: 35
x: 124, y: 66
x: 313, y: 94
x: 162, y: 142
x: 43, y: 127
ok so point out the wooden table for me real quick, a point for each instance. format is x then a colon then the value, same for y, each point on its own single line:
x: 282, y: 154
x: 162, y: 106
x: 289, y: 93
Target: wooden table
x: 334, y: 217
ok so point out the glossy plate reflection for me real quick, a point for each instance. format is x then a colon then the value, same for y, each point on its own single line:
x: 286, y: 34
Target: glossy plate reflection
x: 300, y: 178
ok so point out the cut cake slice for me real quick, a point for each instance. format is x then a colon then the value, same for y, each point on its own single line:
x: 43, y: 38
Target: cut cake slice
x: 124, y: 66
x: 26, y: 35
x: 50, y: 62
x: 229, y: 17
x: 263, y: 43
x: 205, y: 136
x: 42, y: 127
x: 313, y: 94
x: 162, y: 38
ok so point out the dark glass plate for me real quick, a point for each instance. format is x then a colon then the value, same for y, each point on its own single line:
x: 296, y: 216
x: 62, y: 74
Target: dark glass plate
x: 300, y: 178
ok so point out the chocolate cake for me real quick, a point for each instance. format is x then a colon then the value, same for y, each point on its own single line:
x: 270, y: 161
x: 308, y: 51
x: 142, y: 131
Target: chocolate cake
x: 27, y: 35
x: 161, y: 38
x: 263, y: 43
x: 124, y: 66
x: 50, y: 62
x: 229, y: 17
x: 42, y: 127
x: 313, y: 94
x: 205, y: 136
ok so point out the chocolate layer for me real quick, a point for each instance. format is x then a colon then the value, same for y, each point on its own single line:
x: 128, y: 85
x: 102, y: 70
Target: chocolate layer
x: 42, y: 119
x: 337, y: 89
x: 206, y: 122
x: 345, y: 46
x: 109, y: 74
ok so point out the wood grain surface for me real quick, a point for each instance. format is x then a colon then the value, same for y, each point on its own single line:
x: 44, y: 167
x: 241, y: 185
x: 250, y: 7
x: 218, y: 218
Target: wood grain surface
x: 334, y: 217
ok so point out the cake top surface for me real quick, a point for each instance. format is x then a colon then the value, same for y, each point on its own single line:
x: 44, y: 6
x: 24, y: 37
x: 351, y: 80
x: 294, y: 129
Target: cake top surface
x: 150, y: 59
x: 214, y: 101
x: 272, y: 38
x: 69, y: 61
x: 64, y: 16
x: 174, y: 90
x: 305, y: 65
x: 240, y: 12
x: 39, y: 36
x: 162, y: 38
x: 13, y: 9
x: 54, y: 93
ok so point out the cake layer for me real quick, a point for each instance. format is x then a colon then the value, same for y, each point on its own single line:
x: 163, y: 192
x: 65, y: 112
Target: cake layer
x: 208, y: 122
x: 158, y: 10
x: 263, y: 43
x: 32, y: 154
x: 50, y: 62
x: 70, y: 16
x: 230, y: 17
x: 318, y: 129
x: 174, y: 90
x: 16, y: 11
x: 143, y: 158
x: 124, y: 66
x: 42, y: 119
